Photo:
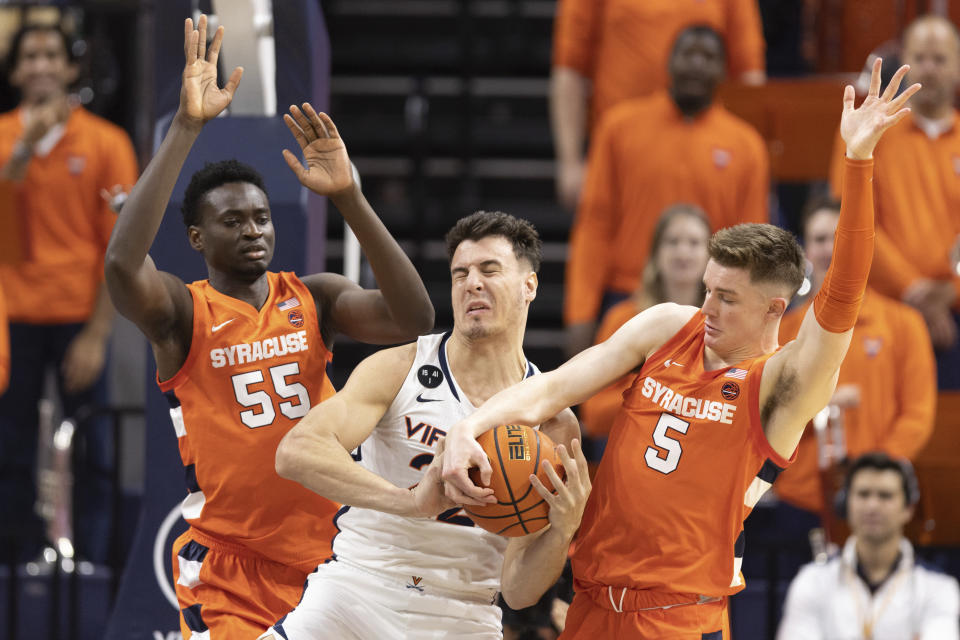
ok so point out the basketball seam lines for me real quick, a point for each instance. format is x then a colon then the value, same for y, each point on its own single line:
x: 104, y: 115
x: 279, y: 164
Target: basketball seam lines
x: 506, y: 478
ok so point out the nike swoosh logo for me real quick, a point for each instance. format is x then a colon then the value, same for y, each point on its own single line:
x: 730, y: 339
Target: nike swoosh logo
x: 217, y: 327
x: 420, y: 398
x: 671, y: 362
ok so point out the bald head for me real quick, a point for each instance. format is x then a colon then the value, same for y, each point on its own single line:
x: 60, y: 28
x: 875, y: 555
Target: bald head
x: 931, y: 46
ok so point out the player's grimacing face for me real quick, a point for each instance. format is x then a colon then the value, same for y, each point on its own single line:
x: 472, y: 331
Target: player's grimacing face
x: 236, y: 229
x: 490, y: 287
x: 734, y: 308
x: 876, y: 508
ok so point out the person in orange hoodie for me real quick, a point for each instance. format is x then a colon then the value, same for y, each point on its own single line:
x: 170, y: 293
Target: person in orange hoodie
x: 918, y: 211
x: 674, y: 273
x: 887, y: 386
x: 56, y: 161
x: 675, y: 146
x: 608, y: 51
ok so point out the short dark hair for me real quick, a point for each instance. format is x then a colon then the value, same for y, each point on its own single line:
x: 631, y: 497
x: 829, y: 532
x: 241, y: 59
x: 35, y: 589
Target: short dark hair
x: 13, y: 54
x: 213, y: 175
x: 699, y: 30
x: 880, y: 461
x: 769, y: 253
x: 482, y: 224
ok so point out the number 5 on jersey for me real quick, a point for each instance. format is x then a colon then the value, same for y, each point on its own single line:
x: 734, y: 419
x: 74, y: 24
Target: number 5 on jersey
x: 670, y: 446
x: 285, y: 389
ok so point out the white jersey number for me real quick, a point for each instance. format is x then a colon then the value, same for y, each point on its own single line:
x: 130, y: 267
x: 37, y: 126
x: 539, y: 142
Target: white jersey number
x: 668, y: 446
x: 261, y: 399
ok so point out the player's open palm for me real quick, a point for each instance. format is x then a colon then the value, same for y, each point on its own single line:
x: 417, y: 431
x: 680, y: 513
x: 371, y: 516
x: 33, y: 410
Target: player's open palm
x: 200, y: 97
x: 567, y: 504
x: 328, y: 168
x: 861, y: 128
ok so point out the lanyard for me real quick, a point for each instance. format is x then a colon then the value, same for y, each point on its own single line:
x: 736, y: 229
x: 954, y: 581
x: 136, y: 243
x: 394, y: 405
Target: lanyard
x: 871, y: 614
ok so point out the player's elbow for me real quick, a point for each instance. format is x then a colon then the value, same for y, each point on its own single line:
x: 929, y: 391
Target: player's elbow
x: 421, y: 318
x: 517, y: 597
x: 287, y: 460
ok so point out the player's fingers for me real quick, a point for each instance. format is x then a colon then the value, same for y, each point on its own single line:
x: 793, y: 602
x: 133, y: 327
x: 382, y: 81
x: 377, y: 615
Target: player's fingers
x: 234, y: 81
x: 315, y: 120
x: 554, y: 477
x: 875, y: 78
x: 214, y: 51
x: 542, y: 490
x: 459, y: 495
x: 486, y: 471
x: 303, y: 123
x: 329, y: 125
x: 190, y: 50
x: 581, y: 459
x: 295, y: 130
x: 891, y: 91
x: 898, y: 102
x: 849, y: 94
x: 294, y: 164
x: 187, y: 37
x: 202, y: 41
x: 889, y: 121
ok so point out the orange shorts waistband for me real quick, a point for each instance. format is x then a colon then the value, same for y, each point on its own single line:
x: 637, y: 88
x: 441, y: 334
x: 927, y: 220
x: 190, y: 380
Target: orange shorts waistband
x: 226, y: 546
x: 622, y: 599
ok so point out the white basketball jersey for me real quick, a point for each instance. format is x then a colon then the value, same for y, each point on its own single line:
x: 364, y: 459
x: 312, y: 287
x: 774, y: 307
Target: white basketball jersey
x: 448, y: 551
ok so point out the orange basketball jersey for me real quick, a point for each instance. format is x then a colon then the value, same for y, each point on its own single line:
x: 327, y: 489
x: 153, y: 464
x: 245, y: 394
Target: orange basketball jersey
x: 249, y: 377
x: 686, y: 462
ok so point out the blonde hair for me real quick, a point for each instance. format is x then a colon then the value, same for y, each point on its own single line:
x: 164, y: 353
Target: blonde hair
x: 770, y: 254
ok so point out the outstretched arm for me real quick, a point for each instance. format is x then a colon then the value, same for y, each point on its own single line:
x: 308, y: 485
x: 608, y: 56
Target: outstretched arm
x: 153, y: 300
x: 804, y: 374
x: 400, y: 310
x: 543, y: 396
x: 316, y: 452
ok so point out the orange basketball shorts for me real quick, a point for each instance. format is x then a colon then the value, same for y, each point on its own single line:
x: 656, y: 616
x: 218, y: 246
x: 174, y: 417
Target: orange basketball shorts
x: 611, y: 612
x: 227, y: 592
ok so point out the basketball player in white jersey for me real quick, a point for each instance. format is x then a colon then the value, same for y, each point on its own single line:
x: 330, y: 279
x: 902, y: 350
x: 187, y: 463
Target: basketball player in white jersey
x: 408, y: 562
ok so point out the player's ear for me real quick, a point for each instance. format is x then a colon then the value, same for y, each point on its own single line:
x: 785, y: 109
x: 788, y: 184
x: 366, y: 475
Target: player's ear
x: 530, y: 285
x: 195, y: 236
x: 776, y: 307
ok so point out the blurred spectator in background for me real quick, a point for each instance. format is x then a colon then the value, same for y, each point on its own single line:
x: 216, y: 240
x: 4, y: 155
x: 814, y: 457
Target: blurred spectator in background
x: 608, y: 51
x: 674, y: 273
x: 59, y: 165
x: 918, y: 211
x: 887, y: 389
x: 875, y: 589
x: 675, y: 146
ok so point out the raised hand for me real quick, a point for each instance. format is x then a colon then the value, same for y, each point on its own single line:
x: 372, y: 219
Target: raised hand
x: 200, y: 97
x: 862, y: 128
x: 328, y: 169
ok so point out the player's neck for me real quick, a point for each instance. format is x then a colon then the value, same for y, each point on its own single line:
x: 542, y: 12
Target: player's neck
x: 487, y: 365
x: 768, y: 343
x: 254, y: 291
x: 876, y: 559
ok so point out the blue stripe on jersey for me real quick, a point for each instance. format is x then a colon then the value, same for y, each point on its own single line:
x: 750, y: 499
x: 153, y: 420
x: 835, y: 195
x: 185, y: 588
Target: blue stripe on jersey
x: 739, y: 545
x: 279, y: 628
x: 336, y: 517
x: 172, y: 399
x: 193, y: 550
x: 190, y: 476
x: 769, y: 472
x: 530, y: 370
x: 191, y: 615
x: 716, y: 635
x: 442, y: 355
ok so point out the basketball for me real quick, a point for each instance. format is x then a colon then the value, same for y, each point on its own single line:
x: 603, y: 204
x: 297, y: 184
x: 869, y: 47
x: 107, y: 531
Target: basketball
x: 515, y: 452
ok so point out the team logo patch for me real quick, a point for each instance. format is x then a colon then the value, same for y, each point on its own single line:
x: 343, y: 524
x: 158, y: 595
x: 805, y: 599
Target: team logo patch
x: 415, y: 583
x: 721, y: 158
x: 295, y: 318
x: 429, y: 376
x: 730, y: 391
x: 872, y: 346
x: 75, y: 164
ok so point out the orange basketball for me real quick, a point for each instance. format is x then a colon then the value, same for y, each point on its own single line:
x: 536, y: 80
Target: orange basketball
x: 515, y: 452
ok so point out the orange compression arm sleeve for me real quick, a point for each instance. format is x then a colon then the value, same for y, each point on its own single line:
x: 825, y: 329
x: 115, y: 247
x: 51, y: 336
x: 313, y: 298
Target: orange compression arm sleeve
x: 838, y: 302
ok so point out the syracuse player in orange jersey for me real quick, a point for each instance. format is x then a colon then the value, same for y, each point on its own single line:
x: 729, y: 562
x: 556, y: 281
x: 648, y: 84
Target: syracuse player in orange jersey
x: 713, y: 416
x: 241, y: 356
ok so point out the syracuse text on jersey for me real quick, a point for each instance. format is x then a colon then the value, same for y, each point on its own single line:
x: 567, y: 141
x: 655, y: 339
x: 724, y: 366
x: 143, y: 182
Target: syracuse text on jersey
x: 275, y: 347
x: 686, y: 406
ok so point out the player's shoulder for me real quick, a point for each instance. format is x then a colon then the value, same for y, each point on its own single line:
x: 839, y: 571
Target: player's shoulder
x: 390, y: 362
x: 661, y: 321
